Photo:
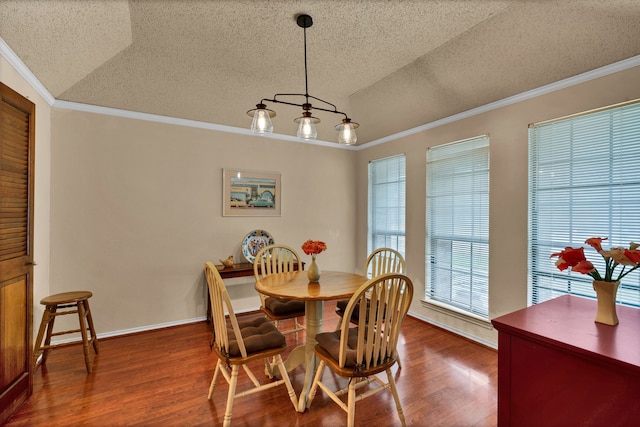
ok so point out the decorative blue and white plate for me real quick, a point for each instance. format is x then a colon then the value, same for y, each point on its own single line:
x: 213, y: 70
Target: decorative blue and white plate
x: 253, y: 242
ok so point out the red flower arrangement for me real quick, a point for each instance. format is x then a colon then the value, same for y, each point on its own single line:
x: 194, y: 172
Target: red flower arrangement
x: 574, y: 258
x: 313, y: 247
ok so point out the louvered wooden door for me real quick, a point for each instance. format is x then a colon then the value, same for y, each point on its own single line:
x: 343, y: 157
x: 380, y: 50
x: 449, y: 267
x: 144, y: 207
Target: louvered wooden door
x: 17, y: 119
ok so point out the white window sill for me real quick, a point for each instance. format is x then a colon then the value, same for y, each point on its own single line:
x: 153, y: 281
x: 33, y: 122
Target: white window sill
x: 457, y: 313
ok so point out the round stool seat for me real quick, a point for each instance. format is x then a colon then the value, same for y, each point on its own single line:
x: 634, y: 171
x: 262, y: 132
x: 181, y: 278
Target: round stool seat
x: 66, y: 298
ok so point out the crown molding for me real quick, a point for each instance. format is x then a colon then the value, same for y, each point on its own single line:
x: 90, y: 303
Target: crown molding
x: 543, y: 90
x: 88, y: 108
x: 24, y: 71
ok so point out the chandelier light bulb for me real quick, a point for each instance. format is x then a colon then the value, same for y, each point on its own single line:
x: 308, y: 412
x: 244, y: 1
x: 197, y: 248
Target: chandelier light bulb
x: 307, y: 128
x: 261, y: 122
x: 347, y: 132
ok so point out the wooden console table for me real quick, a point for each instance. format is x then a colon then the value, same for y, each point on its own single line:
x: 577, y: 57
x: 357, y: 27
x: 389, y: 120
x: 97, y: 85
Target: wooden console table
x: 238, y: 270
x: 557, y: 367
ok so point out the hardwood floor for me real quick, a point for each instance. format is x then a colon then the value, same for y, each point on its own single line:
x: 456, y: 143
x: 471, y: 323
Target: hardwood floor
x: 162, y: 377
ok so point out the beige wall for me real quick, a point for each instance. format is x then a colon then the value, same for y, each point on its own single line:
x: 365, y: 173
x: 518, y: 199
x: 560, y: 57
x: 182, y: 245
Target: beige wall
x: 507, y: 127
x: 131, y: 209
x: 136, y: 211
x: 10, y: 77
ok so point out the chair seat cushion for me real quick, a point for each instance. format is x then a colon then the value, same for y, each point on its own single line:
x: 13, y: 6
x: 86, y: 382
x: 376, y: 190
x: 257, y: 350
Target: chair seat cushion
x: 330, y: 342
x: 341, y: 306
x: 279, y: 306
x: 258, y: 334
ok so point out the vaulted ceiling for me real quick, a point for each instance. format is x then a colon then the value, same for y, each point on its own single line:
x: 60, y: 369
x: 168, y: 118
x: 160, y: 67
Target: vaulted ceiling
x: 390, y: 64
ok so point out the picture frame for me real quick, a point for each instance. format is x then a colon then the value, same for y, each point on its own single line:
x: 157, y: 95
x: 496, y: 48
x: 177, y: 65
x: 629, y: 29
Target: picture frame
x: 251, y: 193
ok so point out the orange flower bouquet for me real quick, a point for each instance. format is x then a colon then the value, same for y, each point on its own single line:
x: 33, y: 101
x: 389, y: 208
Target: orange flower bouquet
x: 313, y: 247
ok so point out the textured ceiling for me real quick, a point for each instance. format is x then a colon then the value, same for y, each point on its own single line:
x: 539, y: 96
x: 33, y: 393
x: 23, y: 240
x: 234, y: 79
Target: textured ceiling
x: 390, y: 65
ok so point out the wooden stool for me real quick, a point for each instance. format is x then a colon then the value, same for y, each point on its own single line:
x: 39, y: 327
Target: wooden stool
x: 75, y: 302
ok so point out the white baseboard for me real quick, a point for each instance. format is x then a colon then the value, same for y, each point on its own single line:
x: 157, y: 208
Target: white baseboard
x: 146, y: 328
x: 454, y: 330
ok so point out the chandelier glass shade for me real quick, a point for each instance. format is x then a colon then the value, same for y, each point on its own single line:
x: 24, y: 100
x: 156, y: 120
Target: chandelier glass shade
x: 307, y: 126
x: 347, y: 132
x: 261, y: 123
x: 262, y: 116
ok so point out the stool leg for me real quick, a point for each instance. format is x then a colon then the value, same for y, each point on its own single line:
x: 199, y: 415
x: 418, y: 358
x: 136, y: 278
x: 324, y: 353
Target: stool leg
x: 43, y: 325
x: 52, y: 310
x: 83, y: 332
x: 94, y: 338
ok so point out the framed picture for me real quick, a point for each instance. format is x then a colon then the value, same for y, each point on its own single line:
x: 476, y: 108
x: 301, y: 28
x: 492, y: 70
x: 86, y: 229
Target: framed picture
x: 250, y: 193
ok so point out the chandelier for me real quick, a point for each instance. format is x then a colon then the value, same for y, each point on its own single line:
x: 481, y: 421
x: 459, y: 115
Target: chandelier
x: 306, y: 123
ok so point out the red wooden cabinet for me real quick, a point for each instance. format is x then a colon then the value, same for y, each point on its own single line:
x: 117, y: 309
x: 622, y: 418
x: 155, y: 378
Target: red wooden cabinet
x: 557, y: 367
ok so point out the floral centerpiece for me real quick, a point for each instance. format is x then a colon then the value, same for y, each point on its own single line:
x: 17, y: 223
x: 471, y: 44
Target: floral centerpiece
x: 614, y: 257
x: 606, y: 286
x: 313, y: 248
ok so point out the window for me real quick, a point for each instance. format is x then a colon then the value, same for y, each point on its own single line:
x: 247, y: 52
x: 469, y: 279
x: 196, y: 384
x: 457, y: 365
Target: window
x: 584, y: 181
x: 457, y: 244
x: 387, y: 188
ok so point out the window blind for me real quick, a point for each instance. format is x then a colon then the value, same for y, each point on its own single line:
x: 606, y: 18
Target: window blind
x: 457, y: 241
x: 387, y: 201
x: 584, y: 181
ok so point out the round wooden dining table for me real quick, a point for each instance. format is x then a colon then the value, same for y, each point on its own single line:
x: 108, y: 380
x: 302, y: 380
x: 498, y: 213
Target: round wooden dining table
x: 333, y: 285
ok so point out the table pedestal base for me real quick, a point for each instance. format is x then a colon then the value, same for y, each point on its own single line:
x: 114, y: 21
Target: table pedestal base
x: 304, y: 354
x: 313, y: 319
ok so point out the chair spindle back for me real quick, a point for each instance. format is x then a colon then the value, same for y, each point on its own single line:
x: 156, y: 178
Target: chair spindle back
x: 221, y: 309
x: 383, y: 303
x: 383, y: 261
x: 274, y: 259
